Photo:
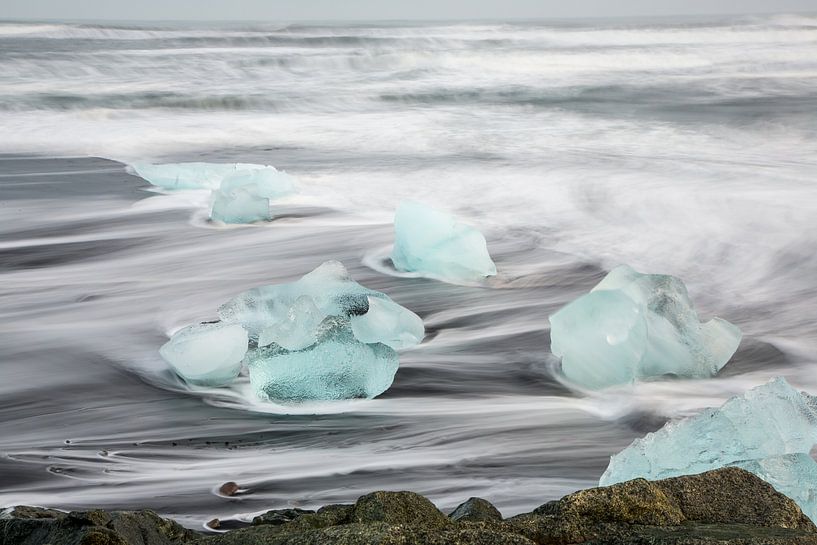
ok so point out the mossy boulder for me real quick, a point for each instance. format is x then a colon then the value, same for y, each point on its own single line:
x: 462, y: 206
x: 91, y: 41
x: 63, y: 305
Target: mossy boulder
x: 475, y: 510
x: 723, y: 507
x: 34, y: 526
x: 280, y: 516
x: 398, y: 508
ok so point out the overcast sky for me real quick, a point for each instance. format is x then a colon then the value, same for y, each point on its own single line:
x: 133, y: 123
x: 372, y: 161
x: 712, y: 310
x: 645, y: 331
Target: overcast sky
x: 287, y: 10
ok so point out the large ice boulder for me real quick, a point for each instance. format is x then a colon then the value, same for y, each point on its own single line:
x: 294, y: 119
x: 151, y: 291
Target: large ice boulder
x: 435, y: 244
x: 322, y: 337
x: 207, y: 354
x: 768, y: 431
x: 241, y: 192
x: 633, y: 326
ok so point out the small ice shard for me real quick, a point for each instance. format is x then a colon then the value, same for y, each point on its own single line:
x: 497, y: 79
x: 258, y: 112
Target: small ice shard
x: 322, y: 337
x: 207, y: 354
x: 433, y: 243
x: 769, y: 431
x: 298, y: 329
x: 388, y: 323
x: 633, y: 326
x: 337, y: 366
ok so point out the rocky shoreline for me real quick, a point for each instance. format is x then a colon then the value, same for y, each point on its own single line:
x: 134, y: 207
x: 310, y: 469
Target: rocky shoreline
x: 725, y: 506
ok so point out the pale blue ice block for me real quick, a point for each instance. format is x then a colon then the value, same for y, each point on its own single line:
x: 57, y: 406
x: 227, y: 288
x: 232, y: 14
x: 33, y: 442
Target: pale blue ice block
x: 433, y: 243
x: 322, y: 337
x: 769, y: 431
x: 241, y: 191
x: 633, y: 326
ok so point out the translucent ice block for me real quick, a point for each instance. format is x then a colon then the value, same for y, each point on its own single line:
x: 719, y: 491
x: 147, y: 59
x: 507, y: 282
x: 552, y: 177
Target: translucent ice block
x: 433, y: 243
x: 633, y: 326
x: 768, y: 431
x: 322, y: 337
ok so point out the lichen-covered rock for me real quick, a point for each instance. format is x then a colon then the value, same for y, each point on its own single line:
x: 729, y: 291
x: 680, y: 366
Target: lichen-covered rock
x: 398, y: 508
x: 723, y: 507
x: 280, y: 516
x: 374, y: 533
x: 733, y: 496
x: 687, y: 508
x: 707, y: 534
x: 474, y: 510
x: 33, y: 526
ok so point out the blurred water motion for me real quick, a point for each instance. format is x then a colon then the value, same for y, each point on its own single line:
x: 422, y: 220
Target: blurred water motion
x: 682, y: 147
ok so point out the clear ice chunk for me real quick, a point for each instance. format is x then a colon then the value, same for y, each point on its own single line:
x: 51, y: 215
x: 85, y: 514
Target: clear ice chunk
x: 337, y: 366
x: 388, y: 323
x: 435, y: 244
x: 768, y: 431
x: 207, y: 354
x: 241, y: 191
x: 633, y: 326
x: 322, y: 337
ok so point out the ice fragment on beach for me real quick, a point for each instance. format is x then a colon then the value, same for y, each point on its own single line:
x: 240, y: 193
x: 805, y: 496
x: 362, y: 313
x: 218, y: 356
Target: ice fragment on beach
x: 322, y: 337
x: 633, y: 326
x: 433, y: 243
x: 769, y: 431
x: 241, y: 191
x: 207, y: 354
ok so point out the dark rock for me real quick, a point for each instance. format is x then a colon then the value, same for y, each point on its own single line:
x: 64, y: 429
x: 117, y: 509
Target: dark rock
x: 89, y: 528
x: 689, y: 509
x: 215, y: 524
x: 376, y: 533
x: 724, y: 507
x: 733, y: 496
x: 474, y: 510
x: 398, y: 508
x: 280, y: 516
x: 334, y: 514
x: 709, y: 534
x: 229, y: 489
x: 26, y: 512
